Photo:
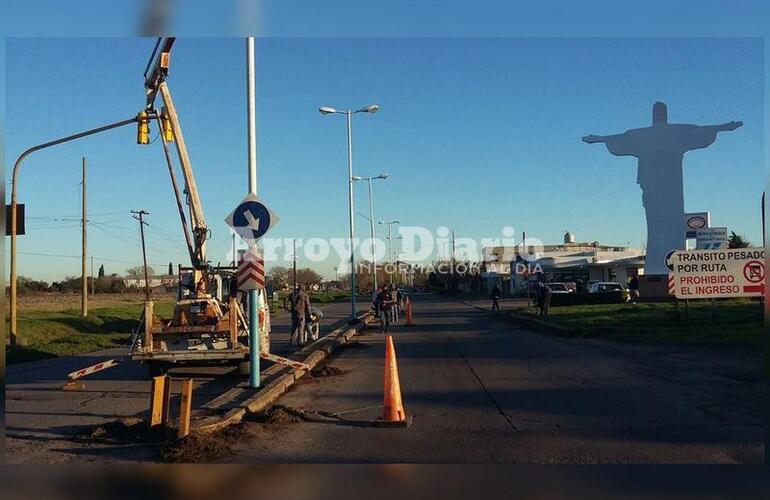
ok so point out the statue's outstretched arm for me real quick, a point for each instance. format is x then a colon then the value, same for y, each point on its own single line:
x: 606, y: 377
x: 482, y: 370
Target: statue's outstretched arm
x: 618, y: 144
x: 590, y: 139
x: 727, y: 127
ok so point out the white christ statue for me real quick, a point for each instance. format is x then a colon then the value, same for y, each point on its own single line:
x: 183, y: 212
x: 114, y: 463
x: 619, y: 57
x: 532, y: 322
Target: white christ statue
x: 660, y: 149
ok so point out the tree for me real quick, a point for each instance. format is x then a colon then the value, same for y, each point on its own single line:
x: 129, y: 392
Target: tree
x: 737, y: 241
x: 138, y: 272
x: 307, y: 277
x: 27, y: 285
x: 170, y: 269
x: 278, y: 277
x: 101, y: 271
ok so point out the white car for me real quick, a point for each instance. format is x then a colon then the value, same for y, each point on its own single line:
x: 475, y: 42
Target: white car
x: 605, y: 287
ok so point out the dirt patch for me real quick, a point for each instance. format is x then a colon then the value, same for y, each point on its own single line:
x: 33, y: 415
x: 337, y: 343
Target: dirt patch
x: 206, y: 447
x: 126, y: 430
x: 278, y: 414
x: 327, y: 371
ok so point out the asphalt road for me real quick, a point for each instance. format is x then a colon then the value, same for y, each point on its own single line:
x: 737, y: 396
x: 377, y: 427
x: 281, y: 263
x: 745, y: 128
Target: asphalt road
x: 482, y: 390
x: 41, y: 419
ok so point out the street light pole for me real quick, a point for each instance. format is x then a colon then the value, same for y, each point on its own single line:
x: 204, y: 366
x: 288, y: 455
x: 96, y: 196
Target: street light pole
x: 325, y: 110
x: 14, y: 188
x: 371, y: 235
x: 352, y: 232
x: 390, y: 240
x: 371, y: 220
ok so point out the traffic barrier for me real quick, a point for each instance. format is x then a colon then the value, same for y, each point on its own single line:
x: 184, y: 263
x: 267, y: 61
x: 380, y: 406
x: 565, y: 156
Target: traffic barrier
x: 409, y: 321
x: 185, y: 408
x: 297, y: 365
x: 393, y: 409
x: 72, y: 385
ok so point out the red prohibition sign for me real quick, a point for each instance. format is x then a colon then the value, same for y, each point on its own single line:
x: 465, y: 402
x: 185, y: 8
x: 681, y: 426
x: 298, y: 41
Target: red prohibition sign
x: 754, y: 271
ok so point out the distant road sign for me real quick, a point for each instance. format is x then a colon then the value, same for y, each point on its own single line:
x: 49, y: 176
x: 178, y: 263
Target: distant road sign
x: 251, y: 270
x: 711, y: 238
x: 710, y: 274
x: 251, y: 219
x: 669, y: 262
x: 694, y: 221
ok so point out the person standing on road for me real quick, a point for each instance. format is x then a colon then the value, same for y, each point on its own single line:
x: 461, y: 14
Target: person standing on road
x: 495, y: 295
x: 299, y: 307
x: 543, y: 297
x: 384, y: 304
x: 633, y: 289
x: 375, y: 302
x: 394, y: 306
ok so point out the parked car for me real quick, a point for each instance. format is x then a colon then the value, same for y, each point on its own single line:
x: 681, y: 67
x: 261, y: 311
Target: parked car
x: 558, y: 288
x: 561, y: 295
x: 607, y: 292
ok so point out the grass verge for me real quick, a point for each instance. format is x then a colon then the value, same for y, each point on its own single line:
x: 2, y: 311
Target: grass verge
x: 736, y: 322
x: 47, y: 333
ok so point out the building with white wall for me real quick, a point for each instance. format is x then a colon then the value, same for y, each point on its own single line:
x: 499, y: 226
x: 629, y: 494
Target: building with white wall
x: 569, y: 262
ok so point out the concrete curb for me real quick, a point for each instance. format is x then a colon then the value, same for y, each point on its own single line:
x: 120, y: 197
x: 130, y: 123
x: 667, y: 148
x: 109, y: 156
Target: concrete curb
x: 277, y: 387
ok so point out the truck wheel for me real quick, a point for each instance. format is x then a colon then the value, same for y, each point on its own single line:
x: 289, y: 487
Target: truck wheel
x: 157, y: 368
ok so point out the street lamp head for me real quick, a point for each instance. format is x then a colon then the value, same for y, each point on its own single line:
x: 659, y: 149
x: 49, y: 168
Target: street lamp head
x: 372, y: 108
x: 326, y: 110
x: 356, y: 178
x: 383, y: 176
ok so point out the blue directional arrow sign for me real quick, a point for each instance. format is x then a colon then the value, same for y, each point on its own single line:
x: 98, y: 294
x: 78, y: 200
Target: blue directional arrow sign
x: 251, y: 219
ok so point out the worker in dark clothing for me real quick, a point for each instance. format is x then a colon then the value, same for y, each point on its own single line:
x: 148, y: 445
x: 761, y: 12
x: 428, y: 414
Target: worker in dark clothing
x: 385, y: 303
x: 313, y: 324
x: 495, y: 295
x: 633, y: 289
x: 299, y: 307
x: 543, y: 298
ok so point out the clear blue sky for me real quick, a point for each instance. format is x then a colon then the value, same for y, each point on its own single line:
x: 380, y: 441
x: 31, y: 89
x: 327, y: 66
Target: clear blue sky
x: 477, y: 134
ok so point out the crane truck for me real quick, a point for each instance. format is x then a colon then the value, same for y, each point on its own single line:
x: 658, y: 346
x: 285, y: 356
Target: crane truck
x: 208, y: 325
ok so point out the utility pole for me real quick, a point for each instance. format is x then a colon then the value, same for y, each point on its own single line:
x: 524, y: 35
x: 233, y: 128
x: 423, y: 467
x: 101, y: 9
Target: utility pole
x: 454, y: 277
x: 139, y: 215
x: 294, y: 258
x: 83, y: 275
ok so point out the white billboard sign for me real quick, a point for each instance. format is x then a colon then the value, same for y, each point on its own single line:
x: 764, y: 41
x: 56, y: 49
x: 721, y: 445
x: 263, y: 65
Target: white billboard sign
x: 711, y: 274
x: 711, y: 238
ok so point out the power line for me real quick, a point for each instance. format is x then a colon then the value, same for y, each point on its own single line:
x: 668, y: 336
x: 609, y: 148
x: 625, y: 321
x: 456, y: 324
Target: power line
x: 105, y: 259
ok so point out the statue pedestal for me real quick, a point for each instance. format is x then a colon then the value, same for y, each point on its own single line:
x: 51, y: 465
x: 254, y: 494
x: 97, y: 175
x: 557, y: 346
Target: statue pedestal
x: 654, y: 287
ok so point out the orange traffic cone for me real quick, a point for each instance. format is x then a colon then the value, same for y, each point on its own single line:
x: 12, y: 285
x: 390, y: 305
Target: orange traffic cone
x: 409, y: 321
x: 393, y: 409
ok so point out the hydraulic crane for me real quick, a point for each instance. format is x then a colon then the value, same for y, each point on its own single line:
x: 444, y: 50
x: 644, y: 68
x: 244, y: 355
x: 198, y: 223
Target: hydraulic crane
x: 208, y: 325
